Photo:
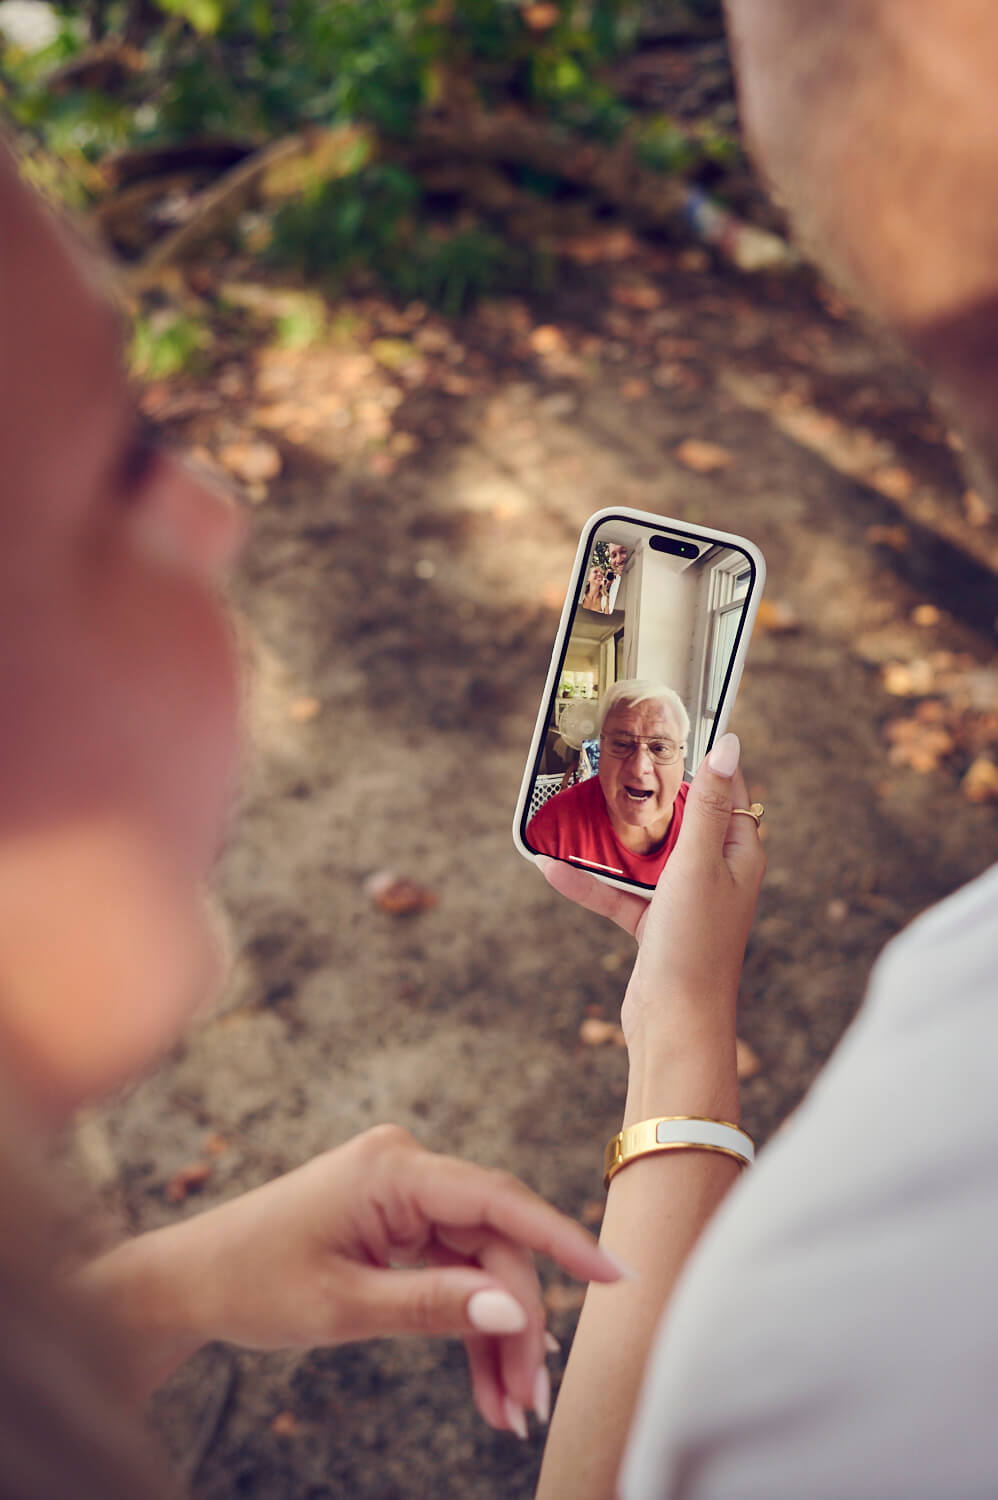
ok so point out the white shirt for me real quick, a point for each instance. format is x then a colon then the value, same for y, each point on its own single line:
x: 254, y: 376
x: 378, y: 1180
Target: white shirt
x: 835, y: 1335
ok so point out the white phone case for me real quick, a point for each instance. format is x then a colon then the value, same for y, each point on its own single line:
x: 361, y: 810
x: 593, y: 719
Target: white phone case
x: 653, y: 524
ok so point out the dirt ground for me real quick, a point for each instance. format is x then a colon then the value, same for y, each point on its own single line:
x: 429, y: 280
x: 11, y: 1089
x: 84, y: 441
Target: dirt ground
x: 401, y: 594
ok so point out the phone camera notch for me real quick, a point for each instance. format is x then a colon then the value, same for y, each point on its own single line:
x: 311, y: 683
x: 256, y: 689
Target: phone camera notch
x: 673, y: 547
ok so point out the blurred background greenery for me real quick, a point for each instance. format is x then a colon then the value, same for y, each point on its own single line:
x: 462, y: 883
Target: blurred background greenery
x: 440, y: 148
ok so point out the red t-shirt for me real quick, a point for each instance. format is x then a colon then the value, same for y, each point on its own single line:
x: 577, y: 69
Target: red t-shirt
x: 575, y: 825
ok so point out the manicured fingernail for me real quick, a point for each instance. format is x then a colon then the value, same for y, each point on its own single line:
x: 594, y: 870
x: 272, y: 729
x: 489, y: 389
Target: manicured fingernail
x: 543, y: 862
x: 516, y: 1417
x: 624, y: 1271
x: 551, y: 1344
x: 492, y: 1311
x: 723, y: 759
x: 542, y: 1395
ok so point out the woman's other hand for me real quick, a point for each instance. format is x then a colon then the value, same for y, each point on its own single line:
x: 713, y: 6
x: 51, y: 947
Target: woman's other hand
x: 376, y: 1238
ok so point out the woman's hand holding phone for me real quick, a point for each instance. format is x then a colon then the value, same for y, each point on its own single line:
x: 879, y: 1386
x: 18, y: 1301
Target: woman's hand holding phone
x: 692, y: 934
x: 679, y: 1021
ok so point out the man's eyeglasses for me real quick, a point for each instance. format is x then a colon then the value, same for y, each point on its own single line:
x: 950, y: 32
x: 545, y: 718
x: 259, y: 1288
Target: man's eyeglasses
x: 622, y: 746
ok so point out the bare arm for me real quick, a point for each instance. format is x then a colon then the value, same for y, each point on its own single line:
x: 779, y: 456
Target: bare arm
x: 679, y: 1019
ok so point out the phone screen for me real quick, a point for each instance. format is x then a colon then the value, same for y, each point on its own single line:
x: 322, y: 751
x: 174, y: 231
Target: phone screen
x: 642, y: 679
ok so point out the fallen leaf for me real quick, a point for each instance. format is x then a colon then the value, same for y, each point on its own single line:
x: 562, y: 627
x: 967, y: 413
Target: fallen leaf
x: 200, y: 457
x: 455, y: 384
x: 540, y: 17
x: 596, y: 1033
x: 747, y: 1060
x: 393, y: 354
x: 776, y: 618
x: 303, y: 710
x: 372, y: 420
x: 397, y: 895
x: 977, y: 511
x: 703, y: 457
x: 188, y: 1180
x: 674, y: 375
x: 925, y: 615
x: 911, y: 679
x: 169, y: 405
x: 214, y: 1145
x: 815, y: 429
x: 285, y: 1424
x: 547, y: 339
x: 252, y: 462
x: 599, y: 247
x: 895, y: 537
x: 893, y: 481
x: 432, y: 338
x: 640, y: 295
x: 611, y: 962
x: 918, y: 745
x: 634, y: 390
x: 277, y: 414
x: 981, y: 781
x: 561, y: 1298
x: 671, y: 347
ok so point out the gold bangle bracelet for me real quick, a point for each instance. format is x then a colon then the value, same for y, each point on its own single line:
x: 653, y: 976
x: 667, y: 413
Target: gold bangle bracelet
x: 676, y: 1133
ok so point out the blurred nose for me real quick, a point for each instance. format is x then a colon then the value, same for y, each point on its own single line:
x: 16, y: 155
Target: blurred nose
x: 189, y: 521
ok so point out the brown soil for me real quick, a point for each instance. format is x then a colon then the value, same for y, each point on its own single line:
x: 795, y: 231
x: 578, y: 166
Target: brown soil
x: 410, y: 586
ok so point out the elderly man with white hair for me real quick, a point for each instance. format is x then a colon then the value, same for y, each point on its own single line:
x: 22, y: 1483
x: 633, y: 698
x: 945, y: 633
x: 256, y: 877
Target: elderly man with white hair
x: 624, y: 821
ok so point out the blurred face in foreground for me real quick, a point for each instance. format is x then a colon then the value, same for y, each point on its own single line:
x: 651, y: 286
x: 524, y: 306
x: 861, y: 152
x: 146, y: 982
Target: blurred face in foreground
x: 639, y: 789
x: 876, y: 121
x: 118, y: 690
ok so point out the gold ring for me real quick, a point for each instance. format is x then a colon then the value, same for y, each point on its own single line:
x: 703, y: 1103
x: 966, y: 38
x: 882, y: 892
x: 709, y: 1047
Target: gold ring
x: 756, y: 812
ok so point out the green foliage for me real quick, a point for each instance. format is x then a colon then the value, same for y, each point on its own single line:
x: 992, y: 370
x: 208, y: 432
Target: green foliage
x: 166, y: 343
x: 451, y: 270
x: 369, y: 223
x: 303, y: 324
x: 265, y: 66
x: 340, y: 225
x: 262, y: 68
x: 205, y: 16
x: 663, y: 146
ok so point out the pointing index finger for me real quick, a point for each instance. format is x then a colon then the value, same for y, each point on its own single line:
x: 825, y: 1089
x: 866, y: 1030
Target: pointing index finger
x: 459, y: 1194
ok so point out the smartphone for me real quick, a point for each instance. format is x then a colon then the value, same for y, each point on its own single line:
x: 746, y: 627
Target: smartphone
x: 643, y: 675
